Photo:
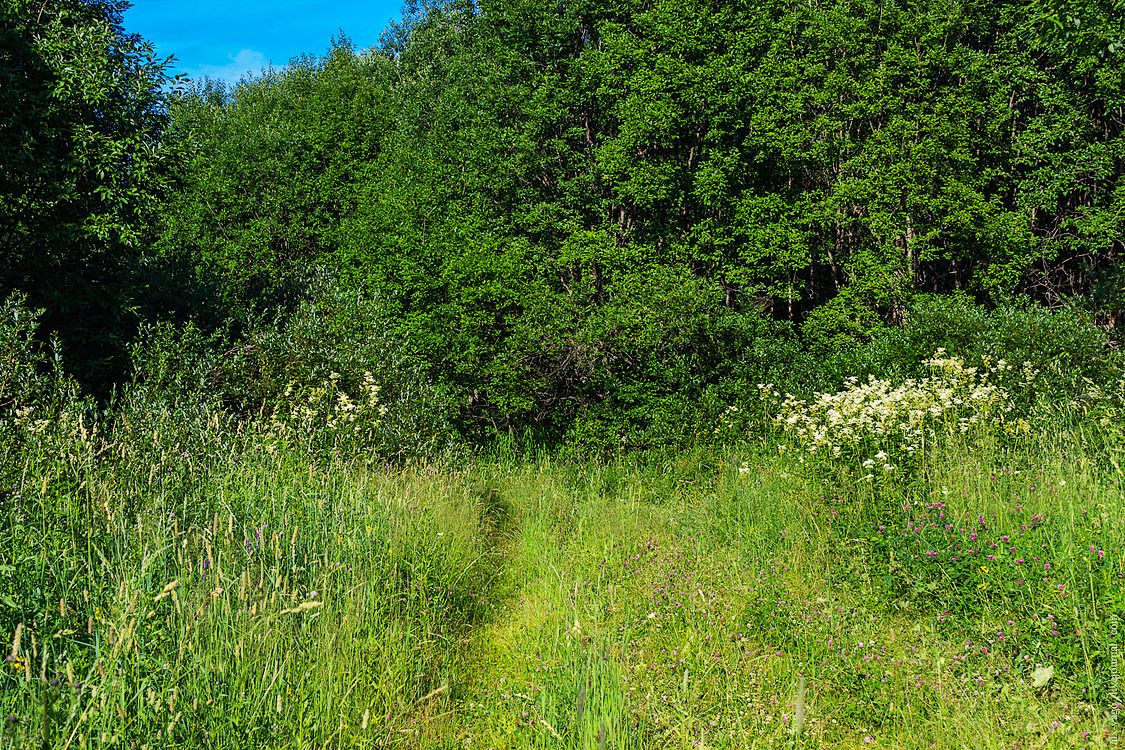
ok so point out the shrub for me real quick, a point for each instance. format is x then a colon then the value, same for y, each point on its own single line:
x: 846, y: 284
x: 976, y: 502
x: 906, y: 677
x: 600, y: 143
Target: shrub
x: 1056, y: 355
x: 171, y: 416
x: 662, y: 363
x: 333, y: 375
x: 21, y: 360
x: 324, y: 378
x: 34, y: 393
x: 1057, y: 348
x: 882, y: 427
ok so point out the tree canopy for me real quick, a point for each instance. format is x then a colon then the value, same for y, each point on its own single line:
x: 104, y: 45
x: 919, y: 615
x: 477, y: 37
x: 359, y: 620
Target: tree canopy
x: 82, y: 119
x: 582, y: 214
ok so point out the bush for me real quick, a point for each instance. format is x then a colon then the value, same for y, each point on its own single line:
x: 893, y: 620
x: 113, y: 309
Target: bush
x: 1052, y: 353
x: 1057, y: 354
x: 172, y: 415
x: 333, y: 375
x: 34, y: 393
x: 1063, y: 340
x: 880, y: 427
x: 324, y: 377
x: 657, y: 366
x: 22, y: 360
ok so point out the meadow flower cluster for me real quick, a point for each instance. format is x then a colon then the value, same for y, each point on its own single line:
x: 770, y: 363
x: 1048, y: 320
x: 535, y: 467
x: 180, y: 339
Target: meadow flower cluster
x: 884, y: 427
x: 328, y: 413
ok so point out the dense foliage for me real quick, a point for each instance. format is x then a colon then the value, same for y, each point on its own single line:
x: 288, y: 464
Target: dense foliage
x: 842, y: 282
x: 82, y: 118
x: 593, y: 224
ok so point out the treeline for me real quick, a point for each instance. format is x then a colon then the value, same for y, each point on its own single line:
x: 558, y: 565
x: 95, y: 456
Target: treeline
x: 583, y: 222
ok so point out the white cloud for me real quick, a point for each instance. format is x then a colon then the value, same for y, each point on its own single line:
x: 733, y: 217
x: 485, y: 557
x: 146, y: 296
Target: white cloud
x: 247, y: 62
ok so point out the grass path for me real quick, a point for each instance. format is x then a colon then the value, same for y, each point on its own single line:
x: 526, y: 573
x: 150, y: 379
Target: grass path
x: 715, y: 602
x: 663, y: 614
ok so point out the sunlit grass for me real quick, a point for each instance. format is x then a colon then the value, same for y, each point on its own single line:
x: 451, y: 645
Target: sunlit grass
x: 218, y: 594
x: 279, y: 603
x: 711, y: 605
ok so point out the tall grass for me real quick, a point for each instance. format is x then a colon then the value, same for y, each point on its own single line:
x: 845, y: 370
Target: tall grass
x: 173, y: 576
x: 257, y: 600
x: 267, y: 599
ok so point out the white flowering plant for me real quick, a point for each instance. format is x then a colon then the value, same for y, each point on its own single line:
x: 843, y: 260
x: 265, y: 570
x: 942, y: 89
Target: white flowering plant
x: 330, y: 415
x: 883, y: 428
x: 332, y: 376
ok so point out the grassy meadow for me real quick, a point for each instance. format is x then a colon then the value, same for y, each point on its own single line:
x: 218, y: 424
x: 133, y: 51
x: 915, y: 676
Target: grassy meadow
x: 565, y: 374
x: 182, y: 582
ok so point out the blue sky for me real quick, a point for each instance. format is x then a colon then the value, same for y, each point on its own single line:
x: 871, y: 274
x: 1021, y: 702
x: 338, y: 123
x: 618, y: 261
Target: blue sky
x: 226, y: 40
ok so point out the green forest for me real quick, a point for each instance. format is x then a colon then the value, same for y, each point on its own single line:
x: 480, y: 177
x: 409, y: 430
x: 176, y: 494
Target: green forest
x: 568, y: 373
